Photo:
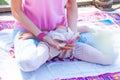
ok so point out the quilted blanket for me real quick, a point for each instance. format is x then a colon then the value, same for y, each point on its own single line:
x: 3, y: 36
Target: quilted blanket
x: 56, y: 69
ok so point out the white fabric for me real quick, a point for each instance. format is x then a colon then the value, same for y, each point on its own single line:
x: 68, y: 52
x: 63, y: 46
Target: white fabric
x: 52, y: 70
x: 63, y: 34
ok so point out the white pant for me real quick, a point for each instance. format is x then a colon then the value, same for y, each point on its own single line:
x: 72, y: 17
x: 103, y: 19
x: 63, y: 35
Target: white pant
x: 30, y: 54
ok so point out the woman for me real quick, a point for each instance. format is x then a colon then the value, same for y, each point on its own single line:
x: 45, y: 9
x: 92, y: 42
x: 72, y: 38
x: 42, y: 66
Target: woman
x: 34, y: 20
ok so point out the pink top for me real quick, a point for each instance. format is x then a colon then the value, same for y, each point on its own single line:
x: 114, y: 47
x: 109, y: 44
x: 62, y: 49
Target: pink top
x: 45, y: 14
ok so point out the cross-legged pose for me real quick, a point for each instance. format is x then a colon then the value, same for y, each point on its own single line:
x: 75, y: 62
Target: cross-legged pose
x: 34, y: 45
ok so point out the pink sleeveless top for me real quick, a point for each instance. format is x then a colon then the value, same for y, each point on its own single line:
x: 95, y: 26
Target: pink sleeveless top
x: 45, y: 14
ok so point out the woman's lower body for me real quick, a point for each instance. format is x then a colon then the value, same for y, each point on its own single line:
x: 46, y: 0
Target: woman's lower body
x: 31, y: 54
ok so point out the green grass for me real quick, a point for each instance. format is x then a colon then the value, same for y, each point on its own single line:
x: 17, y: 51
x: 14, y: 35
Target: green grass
x: 2, y: 2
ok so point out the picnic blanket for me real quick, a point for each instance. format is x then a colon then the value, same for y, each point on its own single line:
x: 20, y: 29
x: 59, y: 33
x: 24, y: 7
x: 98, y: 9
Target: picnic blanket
x: 68, y: 69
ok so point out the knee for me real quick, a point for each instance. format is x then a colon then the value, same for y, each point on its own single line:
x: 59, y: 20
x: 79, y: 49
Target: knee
x: 32, y: 62
x: 27, y: 62
x: 109, y: 60
x: 28, y: 65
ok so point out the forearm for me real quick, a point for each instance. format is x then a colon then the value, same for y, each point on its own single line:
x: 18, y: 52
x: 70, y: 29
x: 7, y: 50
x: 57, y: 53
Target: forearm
x: 27, y: 23
x: 72, y: 15
x: 22, y: 18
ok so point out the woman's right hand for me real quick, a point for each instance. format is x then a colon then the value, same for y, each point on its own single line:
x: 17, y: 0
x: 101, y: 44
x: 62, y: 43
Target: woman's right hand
x: 70, y: 46
x: 56, y: 43
x: 51, y: 41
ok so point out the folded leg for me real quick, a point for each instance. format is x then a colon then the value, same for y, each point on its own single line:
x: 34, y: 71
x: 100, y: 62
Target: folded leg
x: 29, y: 54
x: 88, y: 53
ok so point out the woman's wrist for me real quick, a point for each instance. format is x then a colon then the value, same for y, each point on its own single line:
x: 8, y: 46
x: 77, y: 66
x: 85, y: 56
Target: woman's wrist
x: 41, y: 35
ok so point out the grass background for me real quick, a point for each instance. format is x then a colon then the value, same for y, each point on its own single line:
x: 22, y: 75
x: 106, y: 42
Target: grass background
x: 3, y: 2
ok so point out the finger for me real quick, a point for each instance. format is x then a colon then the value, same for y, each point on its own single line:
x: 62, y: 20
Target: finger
x: 76, y: 38
x: 63, y: 51
x: 71, y: 44
x: 66, y: 48
x: 23, y: 37
x: 20, y: 36
x: 28, y: 36
x: 53, y: 43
